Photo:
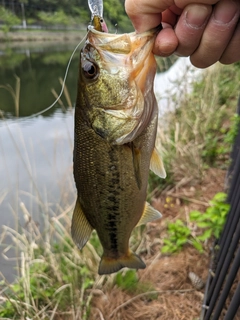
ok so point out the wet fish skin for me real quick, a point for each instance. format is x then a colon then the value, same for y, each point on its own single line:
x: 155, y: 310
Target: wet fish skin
x: 115, y: 131
x: 114, y: 104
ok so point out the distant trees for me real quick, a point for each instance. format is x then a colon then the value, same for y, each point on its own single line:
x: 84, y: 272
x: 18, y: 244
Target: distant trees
x: 64, y: 12
x: 8, y: 19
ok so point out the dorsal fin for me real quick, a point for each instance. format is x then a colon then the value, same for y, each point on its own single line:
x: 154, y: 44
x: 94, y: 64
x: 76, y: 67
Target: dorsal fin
x: 81, y: 229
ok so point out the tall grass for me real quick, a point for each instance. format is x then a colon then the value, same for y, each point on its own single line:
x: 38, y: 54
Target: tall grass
x: 15, y: 93
x: 198, y: 133
x: 53, y: 275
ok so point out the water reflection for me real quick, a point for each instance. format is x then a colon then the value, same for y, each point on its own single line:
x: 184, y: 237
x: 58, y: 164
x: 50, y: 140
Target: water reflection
x: 35, y: 154
x: 36, y: 170
x: 39, y: 70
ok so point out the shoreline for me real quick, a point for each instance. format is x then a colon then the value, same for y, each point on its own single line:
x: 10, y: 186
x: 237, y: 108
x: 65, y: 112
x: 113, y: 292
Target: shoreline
x: 40, y: 35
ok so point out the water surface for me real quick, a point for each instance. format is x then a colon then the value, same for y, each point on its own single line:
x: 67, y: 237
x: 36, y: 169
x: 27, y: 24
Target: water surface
x: 35, y: 153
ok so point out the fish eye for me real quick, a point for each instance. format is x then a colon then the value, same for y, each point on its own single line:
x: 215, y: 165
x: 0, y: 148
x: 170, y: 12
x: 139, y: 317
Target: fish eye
x: 90, y: 70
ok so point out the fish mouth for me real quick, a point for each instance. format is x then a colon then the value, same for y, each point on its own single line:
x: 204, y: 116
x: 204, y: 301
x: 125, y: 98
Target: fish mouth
x: 152, y: 31
x: 126, y: 43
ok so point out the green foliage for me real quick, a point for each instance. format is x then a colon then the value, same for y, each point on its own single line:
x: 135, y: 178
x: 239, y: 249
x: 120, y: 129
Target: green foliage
x: 199, y: 132
x: 53, y: 277
x: 8, y: 311
x: 178, y: 235
x: 11, y: 60
x: 58, y: 18
x: 83, y: 15
x: 220, y: 143
x: 213, y: 219
x: 234, y: 129
x: 210, y: 223
x: 8, y: 18
x: 163, y: 64
x: 94, y: 240
x: 129, y: 281
x: 115, y: 14
x: 59, y: 12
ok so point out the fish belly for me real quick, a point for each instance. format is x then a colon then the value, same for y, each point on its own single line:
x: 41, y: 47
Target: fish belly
x: 110, y: 195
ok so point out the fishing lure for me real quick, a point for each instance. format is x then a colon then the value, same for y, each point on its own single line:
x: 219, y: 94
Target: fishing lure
x: 96, y: 8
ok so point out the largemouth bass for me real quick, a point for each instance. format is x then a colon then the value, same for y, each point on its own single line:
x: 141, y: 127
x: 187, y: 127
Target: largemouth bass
x: 114, y: 146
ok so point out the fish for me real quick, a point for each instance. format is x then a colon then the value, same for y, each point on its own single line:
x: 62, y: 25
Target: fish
x: 116, y: 117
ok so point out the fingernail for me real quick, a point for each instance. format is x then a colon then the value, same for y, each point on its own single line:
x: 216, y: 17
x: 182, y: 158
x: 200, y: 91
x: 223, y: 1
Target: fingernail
x: 225, y: 12
x: 196, y: 16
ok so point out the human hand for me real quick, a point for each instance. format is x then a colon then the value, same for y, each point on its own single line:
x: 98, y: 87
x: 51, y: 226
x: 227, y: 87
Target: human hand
x: 206, y: 30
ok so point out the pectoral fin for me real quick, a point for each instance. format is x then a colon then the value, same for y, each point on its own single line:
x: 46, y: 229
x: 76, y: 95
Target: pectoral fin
x: 149, y: 214
x: 136, y: 153
x: 81, y: 229
x: 156, y: 164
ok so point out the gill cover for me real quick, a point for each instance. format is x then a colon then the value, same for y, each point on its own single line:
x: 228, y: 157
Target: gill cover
x: 117, y: 83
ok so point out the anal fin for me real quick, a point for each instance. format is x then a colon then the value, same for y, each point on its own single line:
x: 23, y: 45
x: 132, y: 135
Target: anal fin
x: 81, y: 229
x: 156, y: 164
x: 149, y: 214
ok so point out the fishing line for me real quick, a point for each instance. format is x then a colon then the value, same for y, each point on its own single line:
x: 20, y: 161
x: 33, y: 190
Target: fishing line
x: 62, y: 89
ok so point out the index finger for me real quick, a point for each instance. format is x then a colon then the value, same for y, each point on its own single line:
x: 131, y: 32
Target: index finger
x: 146, y: 14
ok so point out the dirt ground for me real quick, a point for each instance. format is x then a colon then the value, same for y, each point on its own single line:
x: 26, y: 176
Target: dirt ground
x: 175, y: 297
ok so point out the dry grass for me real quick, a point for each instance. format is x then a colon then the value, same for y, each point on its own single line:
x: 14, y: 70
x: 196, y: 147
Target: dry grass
x: 69, y: 103
x: 15, y: 93
x: 173, y: 297
x: 51, y: 265
x: 43, y: 288
x: 192, y: 136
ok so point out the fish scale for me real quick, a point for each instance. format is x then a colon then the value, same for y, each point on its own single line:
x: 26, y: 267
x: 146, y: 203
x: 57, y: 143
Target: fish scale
x: 114, y: 145
x: 98, y: 174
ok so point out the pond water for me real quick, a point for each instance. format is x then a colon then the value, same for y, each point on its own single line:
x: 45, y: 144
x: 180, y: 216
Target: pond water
x: 36, y: 153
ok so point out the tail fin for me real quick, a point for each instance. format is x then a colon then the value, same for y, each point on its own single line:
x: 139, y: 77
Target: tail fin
x: 109, y: 265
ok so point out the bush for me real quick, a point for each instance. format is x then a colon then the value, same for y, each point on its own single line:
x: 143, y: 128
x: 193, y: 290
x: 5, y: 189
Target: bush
x: 199, y: 132
x: 9, y: 19
x: 210, y: 223
x: 58, y: 18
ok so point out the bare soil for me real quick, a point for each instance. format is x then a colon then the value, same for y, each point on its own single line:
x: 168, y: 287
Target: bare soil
x: 175, y: 298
